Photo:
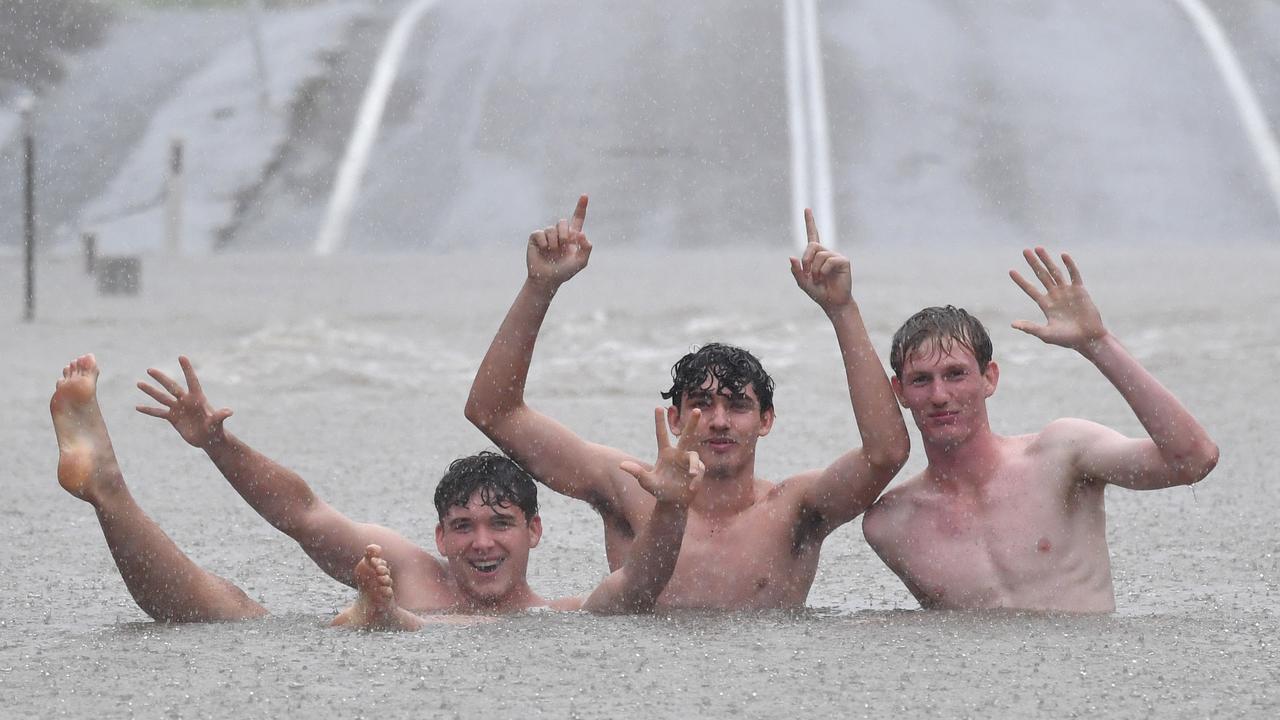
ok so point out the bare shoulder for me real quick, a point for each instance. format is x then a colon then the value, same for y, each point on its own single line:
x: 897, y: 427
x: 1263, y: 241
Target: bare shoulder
x: 892, y: 510
x: 1067, y: 429
x: 789, y: 490
x: 1066, y: 436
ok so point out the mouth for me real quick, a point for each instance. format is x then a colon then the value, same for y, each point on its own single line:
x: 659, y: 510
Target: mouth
x: 944, y: 417
x: 486, y: 567
x: 720, y: 443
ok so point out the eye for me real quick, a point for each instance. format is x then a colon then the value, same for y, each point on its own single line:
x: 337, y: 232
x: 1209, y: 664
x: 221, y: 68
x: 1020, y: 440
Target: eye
x: 956, y: 374
x: 919, y: 380
x: 503, y: 523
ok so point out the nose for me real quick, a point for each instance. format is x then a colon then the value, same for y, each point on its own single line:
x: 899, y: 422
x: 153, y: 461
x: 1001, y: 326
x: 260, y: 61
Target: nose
x: 482, y: 538
x: 938, y: 394
x: 717, y: 418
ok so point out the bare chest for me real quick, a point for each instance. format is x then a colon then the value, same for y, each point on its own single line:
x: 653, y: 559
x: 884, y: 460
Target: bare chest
x: 1018, y: 543
x: 756, y: 561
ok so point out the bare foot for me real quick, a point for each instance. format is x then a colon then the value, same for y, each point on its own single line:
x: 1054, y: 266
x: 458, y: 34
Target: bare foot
x: 376, y: 608
x: 87, y: 466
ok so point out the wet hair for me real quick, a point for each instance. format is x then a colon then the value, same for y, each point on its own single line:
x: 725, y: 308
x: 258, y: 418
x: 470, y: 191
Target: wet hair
x: 939, y: 328
x: 498, y: 479
x: 733, y: 367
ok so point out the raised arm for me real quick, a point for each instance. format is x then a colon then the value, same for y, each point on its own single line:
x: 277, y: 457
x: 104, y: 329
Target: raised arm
x: 673, y: 482
x: 552, y: 453
x: 848, y: 486
x: 335, y: 542
x: 1178, y: 451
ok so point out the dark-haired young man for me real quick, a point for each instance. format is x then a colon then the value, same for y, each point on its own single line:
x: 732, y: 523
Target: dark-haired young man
x: 749, y: 543
x: 1019, y: 522
x: 487, y: 506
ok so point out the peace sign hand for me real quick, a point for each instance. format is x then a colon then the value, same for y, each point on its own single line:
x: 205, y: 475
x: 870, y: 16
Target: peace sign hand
x: 1073, y: 319
x: 188, y: 411
x: 557, y: 252
x: 822, y: 274
x: 677, y: 475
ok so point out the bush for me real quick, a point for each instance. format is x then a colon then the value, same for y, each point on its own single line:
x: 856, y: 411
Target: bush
x: 36, y: 34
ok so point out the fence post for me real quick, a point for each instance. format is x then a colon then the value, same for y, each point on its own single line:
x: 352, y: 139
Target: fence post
x: 259, y: 56
x: 173, y: 190
x: 90, y: 243
x: 25, y: 107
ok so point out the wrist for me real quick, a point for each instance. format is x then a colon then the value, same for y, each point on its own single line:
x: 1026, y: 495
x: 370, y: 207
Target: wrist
x: 672, y: 505
x: 215, y: 441
x: 842, y: 310
x: 1095, y: 347
x: 542, y: 286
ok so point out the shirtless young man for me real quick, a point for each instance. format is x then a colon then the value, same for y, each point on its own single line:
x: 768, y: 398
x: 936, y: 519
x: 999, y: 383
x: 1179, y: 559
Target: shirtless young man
x: 488, y: 524
x: 1019, y: 522
x: 749, y: 543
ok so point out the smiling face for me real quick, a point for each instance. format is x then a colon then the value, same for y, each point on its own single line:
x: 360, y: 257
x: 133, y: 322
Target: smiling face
x: 487, y: 548
x: 946, y: 392
x: 731, y: 424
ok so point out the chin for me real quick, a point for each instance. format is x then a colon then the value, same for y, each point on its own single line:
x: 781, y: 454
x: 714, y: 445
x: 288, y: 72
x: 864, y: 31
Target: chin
x: 949, y: 438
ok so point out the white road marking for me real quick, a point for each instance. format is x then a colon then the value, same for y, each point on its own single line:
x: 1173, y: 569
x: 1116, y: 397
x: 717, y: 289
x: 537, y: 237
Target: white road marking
x: 811, y: 184
x: 1246, y: 100
x: 799, y: 130
x: 347, y: 185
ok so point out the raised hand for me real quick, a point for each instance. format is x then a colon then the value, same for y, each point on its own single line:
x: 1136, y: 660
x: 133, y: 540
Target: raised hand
x: 1073, y: 321
x: 557, y: 252
x: 822, y: 274
x: 676, y: 475
x: 187, y: 410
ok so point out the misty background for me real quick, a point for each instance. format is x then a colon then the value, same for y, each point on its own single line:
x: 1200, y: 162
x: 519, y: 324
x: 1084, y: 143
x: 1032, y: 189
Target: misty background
x: 951, y: 121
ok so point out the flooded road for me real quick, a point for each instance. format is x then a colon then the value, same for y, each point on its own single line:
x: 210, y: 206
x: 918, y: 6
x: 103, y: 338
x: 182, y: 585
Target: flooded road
x: 354, y: 370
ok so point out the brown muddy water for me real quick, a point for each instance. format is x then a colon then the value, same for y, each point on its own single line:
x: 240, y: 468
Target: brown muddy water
x: 353, y: 370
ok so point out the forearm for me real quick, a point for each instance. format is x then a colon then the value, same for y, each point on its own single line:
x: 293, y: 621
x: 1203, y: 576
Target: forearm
x: 1180, y: 438
x: 655, y: 551
x: 500, y: 381
x: 636, y: 586
x: 884, y: 434
x: 278, y: 494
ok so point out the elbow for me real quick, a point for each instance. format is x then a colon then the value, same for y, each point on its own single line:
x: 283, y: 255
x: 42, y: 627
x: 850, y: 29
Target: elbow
x: 475, y: 411
x: 481, y: 413
x: 1200, y: 463
x: 890, y: 457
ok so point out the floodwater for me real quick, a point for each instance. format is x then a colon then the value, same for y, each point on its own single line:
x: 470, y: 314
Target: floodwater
x: 354, y: 370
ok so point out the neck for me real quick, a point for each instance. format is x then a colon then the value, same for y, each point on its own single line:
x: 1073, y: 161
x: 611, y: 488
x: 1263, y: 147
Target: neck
x: 520, y: 598
x: 725, y: 495
x: 967, y: 462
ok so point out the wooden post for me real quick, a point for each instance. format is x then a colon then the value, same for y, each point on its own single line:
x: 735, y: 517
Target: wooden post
x: 173, y: 189
x: 259, y: 56
x: 90, y: 243
x: 29, y: 208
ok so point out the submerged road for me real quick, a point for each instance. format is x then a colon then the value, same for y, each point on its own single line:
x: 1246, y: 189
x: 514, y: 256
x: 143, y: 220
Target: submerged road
x: 950, y: 121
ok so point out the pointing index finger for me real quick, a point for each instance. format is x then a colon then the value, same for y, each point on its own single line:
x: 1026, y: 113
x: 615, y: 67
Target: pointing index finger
x: 810, y: 226
x: 579, y: 214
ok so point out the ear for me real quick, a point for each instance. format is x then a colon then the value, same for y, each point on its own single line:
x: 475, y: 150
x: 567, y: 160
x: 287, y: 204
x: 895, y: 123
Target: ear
x: 992, y: 377
x: 440, y: 539
x: 535, y: 531
x: 673, y: 420
x: 896, y: 383
x: 767, y: 417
